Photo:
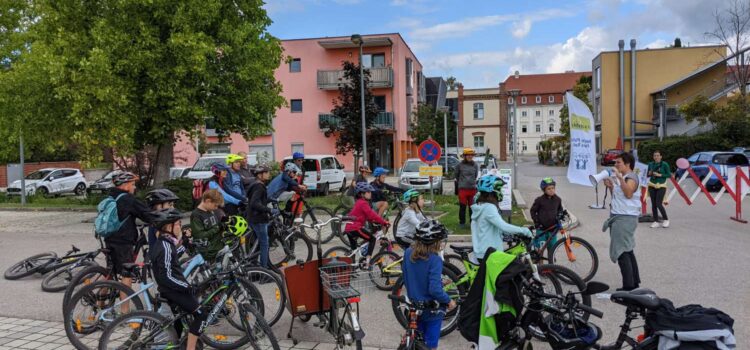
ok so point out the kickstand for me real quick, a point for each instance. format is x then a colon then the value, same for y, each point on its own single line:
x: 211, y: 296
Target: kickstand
x: 289, y: 335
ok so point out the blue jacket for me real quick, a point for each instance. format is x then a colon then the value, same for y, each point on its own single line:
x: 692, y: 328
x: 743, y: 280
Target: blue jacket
x: 280, y: 184
x: 423, y: 281
x: 488, y: 228
x: 228, y: 198
x: 233, y: 185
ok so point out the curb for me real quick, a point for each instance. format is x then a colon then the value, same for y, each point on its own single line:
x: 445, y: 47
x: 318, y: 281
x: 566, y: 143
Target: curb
x: 520, y: 202
x: 46, y: 209
x: 459, y: 238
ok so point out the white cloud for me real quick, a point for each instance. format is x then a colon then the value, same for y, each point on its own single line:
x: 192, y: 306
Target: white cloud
x: 521, y: 28
x: 658, y: 44
x: 461, y: 28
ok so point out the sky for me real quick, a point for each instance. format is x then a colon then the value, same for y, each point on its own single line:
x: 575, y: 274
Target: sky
x: 482, y: 42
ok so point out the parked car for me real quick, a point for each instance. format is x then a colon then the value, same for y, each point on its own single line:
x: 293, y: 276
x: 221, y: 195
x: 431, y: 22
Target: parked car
x: 178, y: 172
x: 722, y: 161
x: 409, y: 178
x: 608, y: 158
x: 485, y: 166
x: 744, y: 150
x: 452, y: 163
x: 51, y: 181
x: 104, y: 184
x: 323, y: 173
x: 202, y: 167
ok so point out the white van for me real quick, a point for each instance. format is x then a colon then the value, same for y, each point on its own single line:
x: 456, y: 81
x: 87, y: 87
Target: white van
x: 323, y: 173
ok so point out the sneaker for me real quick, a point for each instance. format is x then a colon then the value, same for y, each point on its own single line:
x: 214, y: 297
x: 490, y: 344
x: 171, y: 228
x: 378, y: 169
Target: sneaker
x: 665, y: 224
x: 655, y: 224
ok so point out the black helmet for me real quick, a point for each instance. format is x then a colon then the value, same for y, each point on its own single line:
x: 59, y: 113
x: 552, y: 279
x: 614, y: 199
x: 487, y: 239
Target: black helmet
x: 576, y: 334
x: 123, y: 178
x: 430, y: 231
x: 165, y: 216
x: 161, y: 195
x: 261, y: 169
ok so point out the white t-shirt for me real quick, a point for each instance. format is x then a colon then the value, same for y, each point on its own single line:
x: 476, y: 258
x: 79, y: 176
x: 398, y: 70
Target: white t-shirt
x: 622, y: 205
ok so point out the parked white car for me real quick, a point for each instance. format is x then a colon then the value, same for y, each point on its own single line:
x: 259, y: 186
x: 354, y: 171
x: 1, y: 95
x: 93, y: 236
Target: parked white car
x: 409, y: 178
x: 323, y: 173
x: 202, y: 168
x: 51, y: 181
x: 178, y: 172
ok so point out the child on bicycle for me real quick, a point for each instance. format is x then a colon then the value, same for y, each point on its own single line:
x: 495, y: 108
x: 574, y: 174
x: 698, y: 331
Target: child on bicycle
x: 169, y: 274
x: 364, y: 214
x: 378, y: 196
x: 487, y: 225
x: 545, y: 212
x: 161, y: 198
x: 422, y: 274
x: 411, y: 217
x: 205, y: 222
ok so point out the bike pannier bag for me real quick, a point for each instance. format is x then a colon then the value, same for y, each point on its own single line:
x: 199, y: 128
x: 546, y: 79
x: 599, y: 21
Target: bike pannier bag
x: 691, y: 327
x: 107, y: 221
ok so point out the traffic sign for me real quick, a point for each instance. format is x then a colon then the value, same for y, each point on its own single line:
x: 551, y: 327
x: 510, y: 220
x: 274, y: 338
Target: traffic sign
x: 429, y: 151
x: 431, y: 170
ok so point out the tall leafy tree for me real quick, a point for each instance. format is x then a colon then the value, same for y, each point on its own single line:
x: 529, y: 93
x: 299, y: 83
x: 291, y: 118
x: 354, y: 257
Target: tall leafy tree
x: 427, y: 122
x: 132, y: 74
x: 346, y: 127
x: 561, y: 144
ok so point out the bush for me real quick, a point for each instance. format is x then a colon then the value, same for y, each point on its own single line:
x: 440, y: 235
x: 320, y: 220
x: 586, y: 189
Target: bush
x: 183, y: 188
x: 675, y: 147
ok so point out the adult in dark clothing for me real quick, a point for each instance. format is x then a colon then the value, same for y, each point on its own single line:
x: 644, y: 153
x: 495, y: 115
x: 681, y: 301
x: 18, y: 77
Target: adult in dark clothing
x: 258, y: 212
x: 658, y: 173
x: 467, y: 173
x: 122, y: 243
x: 245, y: 172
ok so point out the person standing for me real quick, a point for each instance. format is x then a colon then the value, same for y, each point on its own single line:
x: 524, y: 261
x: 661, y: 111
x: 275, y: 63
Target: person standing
x: 467, y: 173
x: 258, y: 212
x: 658, y: 172
x: 623, y: 219
x: 245, y: 172
x: 233, y: 184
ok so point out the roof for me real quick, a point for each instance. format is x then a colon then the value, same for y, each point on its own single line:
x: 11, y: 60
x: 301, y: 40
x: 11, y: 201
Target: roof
x: 364, y: 36
x: 700, y: 71
x: 535, y: 84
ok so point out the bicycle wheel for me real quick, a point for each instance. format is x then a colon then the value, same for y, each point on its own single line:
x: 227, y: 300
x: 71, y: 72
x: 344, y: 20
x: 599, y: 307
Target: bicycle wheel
x: 563, y: 281
x: 84, y: 318
x: 227, y: 330
x: 454, y: 260
x: 139, y: 330
x: 582, y: 259
x: 85, y: 277
x: 296, y: 247
x: 384, y: 280
x: 347, y: 337
x: 315, y: 215
x: 272, y: 292
x: 59, y: 280
x: 261, y: 336
x: 29, y: 266
x: 337, y: 252
x: 450, y: 320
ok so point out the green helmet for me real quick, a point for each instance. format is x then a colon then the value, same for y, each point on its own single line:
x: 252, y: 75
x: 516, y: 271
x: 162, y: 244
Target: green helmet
x: 411, y: 195
x: 237, y: 225
x: 491, y: 183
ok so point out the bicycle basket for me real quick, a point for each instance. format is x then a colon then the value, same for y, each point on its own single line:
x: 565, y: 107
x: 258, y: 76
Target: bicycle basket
x: 341, y: 280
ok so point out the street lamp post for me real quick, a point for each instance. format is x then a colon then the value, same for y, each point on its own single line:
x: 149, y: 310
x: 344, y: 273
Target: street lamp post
x: 514, y: 93
x: 23, y: 173
x: 444, y: 110
x: 357, y: 40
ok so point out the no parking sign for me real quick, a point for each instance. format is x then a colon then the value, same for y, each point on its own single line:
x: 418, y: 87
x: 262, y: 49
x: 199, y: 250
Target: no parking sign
x: 429, y: 151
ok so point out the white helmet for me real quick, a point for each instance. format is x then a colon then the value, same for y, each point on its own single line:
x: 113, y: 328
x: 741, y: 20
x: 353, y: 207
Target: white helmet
x: 291, y: 167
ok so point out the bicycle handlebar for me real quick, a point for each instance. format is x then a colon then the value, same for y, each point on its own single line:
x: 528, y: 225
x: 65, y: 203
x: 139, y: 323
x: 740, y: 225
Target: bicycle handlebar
x: 432, y: 304
x: 590, y: 310
x: 324, y: 223
x: 574, y: 304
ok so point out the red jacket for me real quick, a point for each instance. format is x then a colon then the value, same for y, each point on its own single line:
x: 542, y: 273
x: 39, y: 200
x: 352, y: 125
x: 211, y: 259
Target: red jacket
x: 364, y: 213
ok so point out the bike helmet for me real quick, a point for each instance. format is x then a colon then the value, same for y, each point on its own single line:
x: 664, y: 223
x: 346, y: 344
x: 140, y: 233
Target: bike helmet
x: 491, y: 183
x: 291, y: 167
x: 231, y: 158
x: 547, y: 181
x: 379, y: 171
x: 261, y: 169
x: 217, y: 168
x: 298, y: 155
x: 361, y: 187
x: 577, y: 334
x: 123, y: 178
x: 160, y: 196
x: 364, y: 169
x: 411, y: 195
x: 165, y: 216
x: 468, y: 151
x: 236, y: 225
x: 430, y: 231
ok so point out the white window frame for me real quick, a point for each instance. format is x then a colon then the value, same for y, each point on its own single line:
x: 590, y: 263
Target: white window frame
x: 478, y: 112
x: 510, y: 100
x: 551, y: 99
x: 539, y: 99
x: 264, y: 155
x: 523, y: 100
x: 551, y: 127
x: 298, y: 147
x: 523, y: 113
x: 478, y: 138
x: 551, y: 112
x: 538, y: 128
x: 538, y: 113
x: 524, y: 128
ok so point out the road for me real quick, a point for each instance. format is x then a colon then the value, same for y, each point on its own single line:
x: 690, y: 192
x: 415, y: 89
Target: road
x: 696, y: 260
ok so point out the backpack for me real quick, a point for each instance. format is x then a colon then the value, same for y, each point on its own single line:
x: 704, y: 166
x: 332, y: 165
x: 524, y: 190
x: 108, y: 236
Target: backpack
x: 199, y: 187
x: 691, y: 327
x: 107, y: 221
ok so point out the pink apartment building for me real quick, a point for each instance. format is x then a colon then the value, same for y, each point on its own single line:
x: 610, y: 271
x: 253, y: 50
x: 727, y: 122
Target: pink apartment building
x: 310, y: 84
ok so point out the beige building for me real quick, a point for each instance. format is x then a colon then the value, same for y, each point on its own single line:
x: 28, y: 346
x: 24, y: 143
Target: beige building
x: 664, y: 79
x: 482, y: 120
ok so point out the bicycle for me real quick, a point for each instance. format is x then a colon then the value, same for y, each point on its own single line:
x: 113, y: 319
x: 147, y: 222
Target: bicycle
x: 286, y: 245
x: 310, y: 216
x: 413, y: 338
x: 544, y: 311
x: 46, y: 262
x: 127, y: 330
x: 393, y: 202
x: 584, y: 262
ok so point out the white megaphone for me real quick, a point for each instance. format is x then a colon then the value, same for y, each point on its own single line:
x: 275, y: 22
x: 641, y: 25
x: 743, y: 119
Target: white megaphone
x: 595, y: 180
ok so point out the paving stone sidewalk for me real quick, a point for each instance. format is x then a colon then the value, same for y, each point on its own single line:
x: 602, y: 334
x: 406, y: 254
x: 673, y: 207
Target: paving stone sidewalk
x: 19, y: 333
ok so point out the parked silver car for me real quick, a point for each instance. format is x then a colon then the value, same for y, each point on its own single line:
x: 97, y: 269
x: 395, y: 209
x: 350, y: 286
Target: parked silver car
x: 409, y: 177
x: 104, y: 184
x: 51, y: 181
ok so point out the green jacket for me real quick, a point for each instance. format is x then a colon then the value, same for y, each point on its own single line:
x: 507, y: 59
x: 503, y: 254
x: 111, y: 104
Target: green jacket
x: 488, y: 337
x: 206, y: 226
x: 661, y: 168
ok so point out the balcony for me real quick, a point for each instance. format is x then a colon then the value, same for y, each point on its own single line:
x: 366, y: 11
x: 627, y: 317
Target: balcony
x: 384, y: 120
x: 379, y: 78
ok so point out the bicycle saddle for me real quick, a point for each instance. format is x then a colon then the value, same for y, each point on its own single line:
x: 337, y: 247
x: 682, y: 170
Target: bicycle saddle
x: 640, y: 297
x: 462, y: 249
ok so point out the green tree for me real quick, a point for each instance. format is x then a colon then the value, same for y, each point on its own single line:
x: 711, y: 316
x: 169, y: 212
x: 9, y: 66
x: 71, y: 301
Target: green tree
x: 451, y: 81
x: 427, y: 122
x: 347, y: 126
x: 562, y: 143
x: 131, y: 75
x: 731, y: 121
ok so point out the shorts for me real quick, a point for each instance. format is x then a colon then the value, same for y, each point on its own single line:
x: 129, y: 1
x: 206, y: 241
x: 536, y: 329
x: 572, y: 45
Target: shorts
x: 430, y: 330
x: 466, y: 195
x: 121, y: 254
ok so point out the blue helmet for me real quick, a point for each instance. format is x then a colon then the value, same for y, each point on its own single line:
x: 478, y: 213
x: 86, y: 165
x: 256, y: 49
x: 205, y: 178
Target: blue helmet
x: 361, y: 187
x: 291, y: 167
x: 298, y: 155
x: 491, y: 184
x: 547, y: 181
x: 379, y: 171
x: 217, y: 168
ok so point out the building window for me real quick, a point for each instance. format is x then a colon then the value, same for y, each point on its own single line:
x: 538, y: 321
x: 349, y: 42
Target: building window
x: 478, y: 141
x: 598, y: 80
x: 523, y: 100
x: 538, y: 113
x: 539, y: 99
x: 523, y: 145
x: 510, y: 100
x: 523, y: 128
x: 537, y: 146
x: 538, y: 128
x: 264, y: 153
x: 551, y: 99
x: 296, y: 106
x: 551, y: 112
x: 511, y: 114
x: 373, y: 60
x: 523, y: 113
x: 218, y: 148
x: 479, y: 110
x: 298, y: 147
x: 295, y: 66
x: 551, y: 127
x: 380, y: 102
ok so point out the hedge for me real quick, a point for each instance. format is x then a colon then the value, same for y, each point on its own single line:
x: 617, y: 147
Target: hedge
x: 675, y: 147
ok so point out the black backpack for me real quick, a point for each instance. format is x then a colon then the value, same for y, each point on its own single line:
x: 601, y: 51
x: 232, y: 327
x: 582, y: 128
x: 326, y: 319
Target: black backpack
x: 676, y: 323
